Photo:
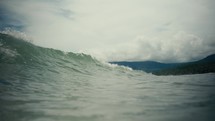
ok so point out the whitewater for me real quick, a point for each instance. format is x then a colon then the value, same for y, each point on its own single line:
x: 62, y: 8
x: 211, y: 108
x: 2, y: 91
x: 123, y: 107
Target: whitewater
x: 44, y: 84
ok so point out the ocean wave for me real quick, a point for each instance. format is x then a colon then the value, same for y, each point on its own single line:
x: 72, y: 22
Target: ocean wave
x: 17, y: 50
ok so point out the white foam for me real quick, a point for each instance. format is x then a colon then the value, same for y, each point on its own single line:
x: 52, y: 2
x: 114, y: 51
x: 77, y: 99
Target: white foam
x: 8, y: 52
x: 17, y: 34
x: 116, y: 66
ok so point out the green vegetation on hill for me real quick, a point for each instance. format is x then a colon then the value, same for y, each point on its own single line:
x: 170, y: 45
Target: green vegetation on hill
x: 206, y: 65
x: 189, y: 68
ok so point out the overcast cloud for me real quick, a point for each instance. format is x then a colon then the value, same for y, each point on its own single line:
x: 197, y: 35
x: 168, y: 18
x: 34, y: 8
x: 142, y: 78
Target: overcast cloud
x: 164, y: 30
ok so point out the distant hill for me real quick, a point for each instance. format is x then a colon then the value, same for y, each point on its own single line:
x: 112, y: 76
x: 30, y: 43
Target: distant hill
x: 205, y: 65
x: 147, y: 66
x: 210, y: 58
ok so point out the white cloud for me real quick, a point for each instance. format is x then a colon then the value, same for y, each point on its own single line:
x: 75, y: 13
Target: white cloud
x: 180, y: 47
x: 113, y: 30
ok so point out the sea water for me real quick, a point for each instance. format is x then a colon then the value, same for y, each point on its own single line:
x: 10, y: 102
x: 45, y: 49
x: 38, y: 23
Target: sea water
x: 41, y: 84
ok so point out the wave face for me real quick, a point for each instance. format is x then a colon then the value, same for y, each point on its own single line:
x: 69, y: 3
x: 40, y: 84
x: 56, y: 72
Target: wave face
x: 24, y: 54
x: 42, y: 84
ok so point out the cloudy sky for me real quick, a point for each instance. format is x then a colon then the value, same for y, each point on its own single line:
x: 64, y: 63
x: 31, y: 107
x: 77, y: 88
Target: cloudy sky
x: 160, y: 30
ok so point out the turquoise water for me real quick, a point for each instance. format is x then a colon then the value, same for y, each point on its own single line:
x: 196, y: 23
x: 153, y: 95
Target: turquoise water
x: 41, y: 84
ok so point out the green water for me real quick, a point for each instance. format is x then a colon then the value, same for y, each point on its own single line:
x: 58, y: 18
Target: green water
x: 41, y: 84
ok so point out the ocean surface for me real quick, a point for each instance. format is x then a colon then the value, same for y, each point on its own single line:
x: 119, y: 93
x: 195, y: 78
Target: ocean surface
x: 42, y: 84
